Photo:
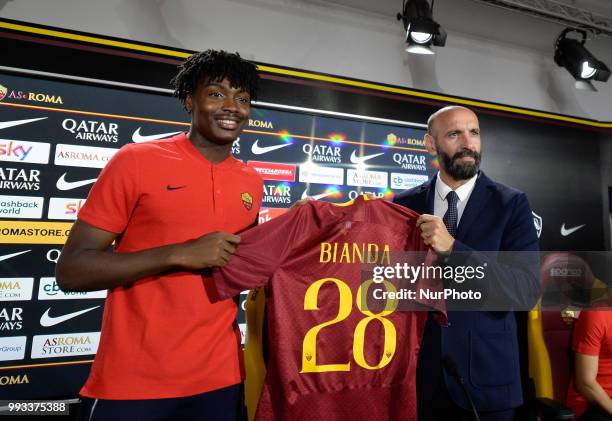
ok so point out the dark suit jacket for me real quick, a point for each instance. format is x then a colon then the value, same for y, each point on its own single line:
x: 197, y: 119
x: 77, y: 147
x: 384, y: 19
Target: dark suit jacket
x: 483, y: 344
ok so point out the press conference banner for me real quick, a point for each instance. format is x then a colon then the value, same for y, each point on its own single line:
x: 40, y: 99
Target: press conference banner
x: 55, y: 137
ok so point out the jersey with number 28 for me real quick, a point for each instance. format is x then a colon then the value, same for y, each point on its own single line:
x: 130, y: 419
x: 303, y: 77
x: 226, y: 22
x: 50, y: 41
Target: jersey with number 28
x: 330, y: 356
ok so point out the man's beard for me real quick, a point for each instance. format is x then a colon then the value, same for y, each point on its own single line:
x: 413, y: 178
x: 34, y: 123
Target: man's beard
x: 457, y: 169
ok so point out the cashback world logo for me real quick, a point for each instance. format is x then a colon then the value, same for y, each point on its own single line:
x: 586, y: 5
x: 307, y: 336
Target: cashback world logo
x: 49, y: 290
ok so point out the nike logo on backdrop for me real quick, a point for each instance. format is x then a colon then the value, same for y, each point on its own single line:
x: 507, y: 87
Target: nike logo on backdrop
x: 260, y: 150
x: 62, y: 184
x: 169, y: 187
x: 316, y: 196
x: 138, y: 138
x: 13, y: 123
x: 361, y: 159
x: 567, y: 231
x: 48, y: 321
x: 9, y: 256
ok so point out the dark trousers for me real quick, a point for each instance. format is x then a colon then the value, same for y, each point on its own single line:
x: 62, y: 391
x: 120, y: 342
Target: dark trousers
x: 219, y: 405
x: 443, y: 408
x: 595, y: 414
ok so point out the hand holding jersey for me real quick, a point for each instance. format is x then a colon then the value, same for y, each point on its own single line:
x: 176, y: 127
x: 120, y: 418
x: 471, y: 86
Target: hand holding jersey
x: 435, y: 234
x: 209, y: 250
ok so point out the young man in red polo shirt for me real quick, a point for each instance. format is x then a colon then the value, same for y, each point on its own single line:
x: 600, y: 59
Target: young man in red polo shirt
x: 170, y: 206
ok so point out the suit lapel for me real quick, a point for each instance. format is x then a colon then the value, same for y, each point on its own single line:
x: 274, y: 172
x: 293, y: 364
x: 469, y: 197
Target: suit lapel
x: 423, y: 199
x: 479, y: 197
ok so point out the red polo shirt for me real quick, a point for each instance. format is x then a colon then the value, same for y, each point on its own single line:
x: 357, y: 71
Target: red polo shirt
x: 161, y: 336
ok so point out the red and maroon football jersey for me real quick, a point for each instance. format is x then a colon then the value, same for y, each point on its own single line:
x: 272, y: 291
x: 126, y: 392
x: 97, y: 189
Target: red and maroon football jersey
x: 331, y: 356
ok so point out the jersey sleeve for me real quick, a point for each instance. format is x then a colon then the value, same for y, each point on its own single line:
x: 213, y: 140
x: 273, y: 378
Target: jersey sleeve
x: 262, y: 249
x: 589, y: 332
x: 114, y: 196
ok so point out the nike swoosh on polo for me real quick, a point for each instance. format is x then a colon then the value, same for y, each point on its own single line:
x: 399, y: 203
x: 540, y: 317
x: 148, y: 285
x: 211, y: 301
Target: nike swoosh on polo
x: 260, y: 150
x: 9, y: 256
x: 62, y: 184
x: 13, y: 123
x: 361, y: 159
x: 316, y: 196
x: 567, y: 231
x: 139, y: 138
x: 48, y: 321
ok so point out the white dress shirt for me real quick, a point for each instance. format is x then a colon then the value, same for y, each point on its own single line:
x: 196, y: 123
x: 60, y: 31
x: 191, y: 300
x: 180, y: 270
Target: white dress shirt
x: 463, y: 192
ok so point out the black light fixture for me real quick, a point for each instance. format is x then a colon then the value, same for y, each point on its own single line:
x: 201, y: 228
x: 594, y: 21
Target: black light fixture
x: 421, y: 30
x: 579, y: 62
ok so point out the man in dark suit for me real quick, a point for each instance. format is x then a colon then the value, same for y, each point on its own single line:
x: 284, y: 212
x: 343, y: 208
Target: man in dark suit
x: 465, y: 213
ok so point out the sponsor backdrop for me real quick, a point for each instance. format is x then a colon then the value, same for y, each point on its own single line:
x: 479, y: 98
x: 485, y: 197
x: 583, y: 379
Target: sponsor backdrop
x: 55, y: 137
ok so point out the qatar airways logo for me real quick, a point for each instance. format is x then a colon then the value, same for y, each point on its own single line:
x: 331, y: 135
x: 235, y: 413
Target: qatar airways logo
x: 236, y: 147
x: 408, y: 161
x: 83, y: 156
x: 19, y: 179
x: 323, y: 153
x: 92, y: 130
x: 276, y: 194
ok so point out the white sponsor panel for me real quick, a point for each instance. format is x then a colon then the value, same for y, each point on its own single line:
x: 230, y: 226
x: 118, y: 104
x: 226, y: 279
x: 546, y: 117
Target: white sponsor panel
x: 65, y: 345
x: 365, y: 178
x: 83, y: 156
x: 21, y: 207
x: 64, y: 208
x: 12, y: 348
x: 243, y: 333
x: 407, y: 181
x: 24, y: 152
x: 16, y: 289
x: 49, y: 290
x: 310, y: 173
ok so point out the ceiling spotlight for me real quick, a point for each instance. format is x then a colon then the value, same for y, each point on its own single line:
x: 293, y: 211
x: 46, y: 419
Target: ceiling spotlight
x: 421, y: 30
x: 579, y: 62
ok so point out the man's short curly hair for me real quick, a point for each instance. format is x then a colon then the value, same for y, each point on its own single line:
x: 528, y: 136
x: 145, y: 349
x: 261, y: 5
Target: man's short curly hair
x: 214, y: 66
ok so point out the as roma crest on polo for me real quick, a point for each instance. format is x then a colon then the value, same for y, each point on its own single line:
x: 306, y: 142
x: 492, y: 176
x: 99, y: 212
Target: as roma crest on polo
x: 247, y: 200
x: 3, y: 92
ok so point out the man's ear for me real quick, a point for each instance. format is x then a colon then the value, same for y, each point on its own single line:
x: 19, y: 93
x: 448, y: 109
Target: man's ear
x: 430, y: 144
x: 189, y: 103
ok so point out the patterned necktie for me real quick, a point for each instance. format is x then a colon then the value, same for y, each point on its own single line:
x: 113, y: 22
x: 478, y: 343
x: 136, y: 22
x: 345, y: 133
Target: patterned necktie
x: 451, y: 216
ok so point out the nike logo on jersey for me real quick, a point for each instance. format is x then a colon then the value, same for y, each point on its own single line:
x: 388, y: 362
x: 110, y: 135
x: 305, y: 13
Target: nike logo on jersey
x: 62, y: 184
x: 260, y: 150
x: 9, y: 256
x: 361, y: 159
x: 316, y: 196
x: 48, y: 321
x: 13, y: 123
x: 138, y: 138
x: 169, y: 187
x: 568, y: 231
